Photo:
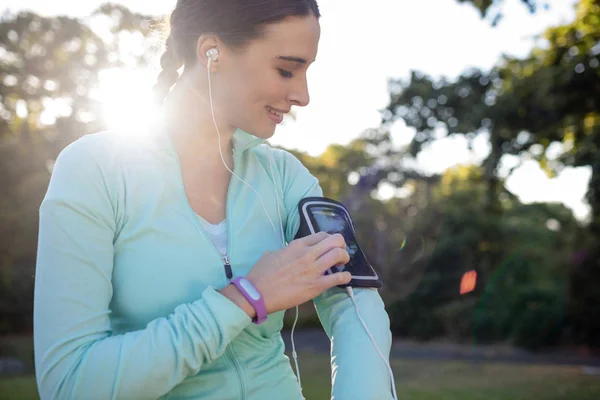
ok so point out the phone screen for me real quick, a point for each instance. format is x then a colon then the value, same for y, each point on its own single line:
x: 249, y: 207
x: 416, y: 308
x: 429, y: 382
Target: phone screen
x: 333, y: 221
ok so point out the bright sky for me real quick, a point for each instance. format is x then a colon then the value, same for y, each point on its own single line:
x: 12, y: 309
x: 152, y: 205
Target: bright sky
x: 360, y: 48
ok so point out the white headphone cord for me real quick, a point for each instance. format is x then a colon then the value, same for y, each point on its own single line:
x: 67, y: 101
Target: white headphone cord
x: 387, y: 364
x: 348, y: 289
x: 221, y: 151
x: 294, y: 354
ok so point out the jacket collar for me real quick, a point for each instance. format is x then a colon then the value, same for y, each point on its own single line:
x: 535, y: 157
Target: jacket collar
x: 243, y: 141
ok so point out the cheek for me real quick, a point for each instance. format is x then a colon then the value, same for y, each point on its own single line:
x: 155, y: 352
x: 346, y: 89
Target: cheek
x: 245, y: 95
x: 235, y: 93
x: 267, y: 89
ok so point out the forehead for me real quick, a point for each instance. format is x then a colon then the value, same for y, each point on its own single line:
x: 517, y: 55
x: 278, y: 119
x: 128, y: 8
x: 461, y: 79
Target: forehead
x: 292, y: 36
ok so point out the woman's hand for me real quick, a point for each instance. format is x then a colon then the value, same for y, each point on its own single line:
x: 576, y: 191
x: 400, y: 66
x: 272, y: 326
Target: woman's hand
x: 296, y: 273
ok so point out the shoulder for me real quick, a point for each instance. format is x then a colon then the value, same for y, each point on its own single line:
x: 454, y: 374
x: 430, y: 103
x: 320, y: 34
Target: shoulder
x: 83, y: 166
x: 97, y: 144
x: 89, y: 171
x: 285, y: 161
x: 91, y: 168
x: 105, y: 150
x: 295, y: 178
x: 83, y: 153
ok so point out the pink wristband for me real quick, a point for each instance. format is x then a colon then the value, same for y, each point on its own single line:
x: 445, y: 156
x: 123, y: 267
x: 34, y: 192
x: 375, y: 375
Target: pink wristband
x: 253, y: 296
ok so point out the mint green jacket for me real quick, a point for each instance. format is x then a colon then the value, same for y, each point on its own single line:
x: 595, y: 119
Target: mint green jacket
x: 126, y: 289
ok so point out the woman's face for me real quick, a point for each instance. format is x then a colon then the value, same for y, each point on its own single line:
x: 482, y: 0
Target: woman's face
x: 255, y: 86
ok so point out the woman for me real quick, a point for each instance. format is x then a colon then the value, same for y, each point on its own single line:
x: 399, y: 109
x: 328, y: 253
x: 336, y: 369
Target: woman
x: 140, y: 239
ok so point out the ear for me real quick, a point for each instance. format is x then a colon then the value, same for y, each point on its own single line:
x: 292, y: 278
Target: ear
x: 205, y: 43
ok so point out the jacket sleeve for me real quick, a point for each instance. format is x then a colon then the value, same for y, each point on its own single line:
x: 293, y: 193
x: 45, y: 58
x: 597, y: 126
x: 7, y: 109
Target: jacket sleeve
x: 76, y: 354
x: 358, y: 372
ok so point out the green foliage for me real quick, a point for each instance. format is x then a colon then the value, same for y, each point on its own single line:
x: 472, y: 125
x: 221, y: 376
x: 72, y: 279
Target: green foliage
x: 538, y: 320
x: 514, y: 267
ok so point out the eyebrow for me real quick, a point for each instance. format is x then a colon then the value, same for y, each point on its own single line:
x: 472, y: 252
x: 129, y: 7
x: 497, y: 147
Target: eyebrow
x: 294, y: 59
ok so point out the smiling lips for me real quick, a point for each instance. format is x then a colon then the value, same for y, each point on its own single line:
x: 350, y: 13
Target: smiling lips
x: 276, y: 115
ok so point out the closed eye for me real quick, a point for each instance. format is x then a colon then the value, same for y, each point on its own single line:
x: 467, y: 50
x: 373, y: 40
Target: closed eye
x: 284, y: 73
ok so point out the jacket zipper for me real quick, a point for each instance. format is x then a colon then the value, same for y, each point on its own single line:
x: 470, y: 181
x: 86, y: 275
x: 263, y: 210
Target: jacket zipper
x: 227, y: 265
x: 229, y: 275
x: 224, y: 257
x: 238, y: 369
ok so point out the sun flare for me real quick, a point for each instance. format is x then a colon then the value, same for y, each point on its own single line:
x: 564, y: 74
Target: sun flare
x: 126, y: 98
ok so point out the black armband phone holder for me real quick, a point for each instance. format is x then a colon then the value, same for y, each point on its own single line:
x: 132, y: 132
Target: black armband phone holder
x: 322, y: 214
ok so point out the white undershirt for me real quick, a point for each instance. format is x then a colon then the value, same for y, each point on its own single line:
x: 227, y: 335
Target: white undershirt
x: 217, y: 233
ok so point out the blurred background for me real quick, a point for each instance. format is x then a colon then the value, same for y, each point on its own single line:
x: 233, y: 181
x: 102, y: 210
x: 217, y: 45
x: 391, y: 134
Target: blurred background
x: 463, y: 135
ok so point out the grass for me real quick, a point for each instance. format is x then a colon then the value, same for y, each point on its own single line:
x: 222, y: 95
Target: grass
x: 453, y: 380
x: 18, y: 388
x: 415, y: 380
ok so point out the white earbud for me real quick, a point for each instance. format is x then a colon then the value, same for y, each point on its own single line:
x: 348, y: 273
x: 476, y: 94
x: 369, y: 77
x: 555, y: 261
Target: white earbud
x: 212, y: 54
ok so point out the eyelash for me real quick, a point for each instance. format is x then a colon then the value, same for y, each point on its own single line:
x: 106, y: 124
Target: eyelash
x: 285, y: 74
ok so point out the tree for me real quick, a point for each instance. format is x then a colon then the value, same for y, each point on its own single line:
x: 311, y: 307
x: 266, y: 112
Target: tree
x: 492, y: 9
x: 44, y: 62
x: 525, y: 106
x: 520, y: 284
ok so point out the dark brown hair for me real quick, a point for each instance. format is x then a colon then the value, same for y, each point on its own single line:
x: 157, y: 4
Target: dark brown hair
x: 235, y: 22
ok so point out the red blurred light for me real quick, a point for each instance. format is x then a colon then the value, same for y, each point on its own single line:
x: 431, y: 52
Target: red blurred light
x: 468, y: 282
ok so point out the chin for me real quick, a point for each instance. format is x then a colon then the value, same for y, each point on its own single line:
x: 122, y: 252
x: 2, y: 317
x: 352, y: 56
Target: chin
x: 263, y: 132
x: 267, y: 133
x: 261, y: 127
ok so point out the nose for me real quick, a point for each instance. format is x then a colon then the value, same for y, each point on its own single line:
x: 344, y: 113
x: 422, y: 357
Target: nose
x: 299, y: 95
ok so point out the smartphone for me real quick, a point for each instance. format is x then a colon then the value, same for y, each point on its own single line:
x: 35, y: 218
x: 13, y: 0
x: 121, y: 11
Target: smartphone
x: 322, y: 214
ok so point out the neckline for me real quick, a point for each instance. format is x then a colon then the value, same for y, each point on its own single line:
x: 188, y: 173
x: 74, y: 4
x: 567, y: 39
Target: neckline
x: 209, y: 223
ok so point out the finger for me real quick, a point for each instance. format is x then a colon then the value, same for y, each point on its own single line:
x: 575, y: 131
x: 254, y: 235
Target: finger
x: 333, y: 241
x: 313, y: 239
x: 333, y: 257
x: 339, y: 278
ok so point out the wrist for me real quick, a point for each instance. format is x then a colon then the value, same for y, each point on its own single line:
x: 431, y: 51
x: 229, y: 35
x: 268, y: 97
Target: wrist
x: 234, y: 295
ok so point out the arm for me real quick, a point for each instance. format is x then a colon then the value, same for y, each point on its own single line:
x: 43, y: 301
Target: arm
x: 357, y: 370
x: 76, y: 355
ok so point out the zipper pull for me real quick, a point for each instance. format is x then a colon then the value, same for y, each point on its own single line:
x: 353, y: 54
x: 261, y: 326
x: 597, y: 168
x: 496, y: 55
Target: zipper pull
x: 228, y: 271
